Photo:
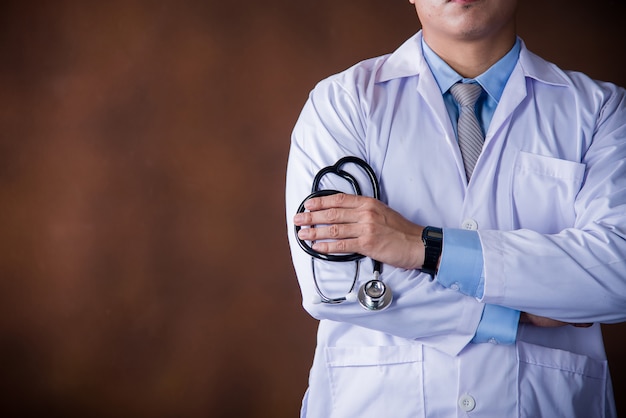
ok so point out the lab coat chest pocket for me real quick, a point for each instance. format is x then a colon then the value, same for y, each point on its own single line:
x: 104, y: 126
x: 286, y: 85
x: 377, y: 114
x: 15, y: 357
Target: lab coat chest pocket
x: 376, y: 381
x: 557, y: 383
x: 543, y: 191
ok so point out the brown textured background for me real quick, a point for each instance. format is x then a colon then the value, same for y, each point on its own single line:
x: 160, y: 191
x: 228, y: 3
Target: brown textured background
x: 144, y: 270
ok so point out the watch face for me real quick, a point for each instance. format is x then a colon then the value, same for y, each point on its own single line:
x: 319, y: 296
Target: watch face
x: 435, y: 234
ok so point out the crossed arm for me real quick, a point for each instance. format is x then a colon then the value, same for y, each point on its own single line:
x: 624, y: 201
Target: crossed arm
x: 364, y: 225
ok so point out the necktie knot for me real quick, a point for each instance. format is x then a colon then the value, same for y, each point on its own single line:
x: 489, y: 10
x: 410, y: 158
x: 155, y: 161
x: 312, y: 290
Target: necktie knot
x: 466, y: 94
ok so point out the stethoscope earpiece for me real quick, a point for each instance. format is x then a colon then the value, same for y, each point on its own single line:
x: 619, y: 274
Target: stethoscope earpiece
x: 352, y: 297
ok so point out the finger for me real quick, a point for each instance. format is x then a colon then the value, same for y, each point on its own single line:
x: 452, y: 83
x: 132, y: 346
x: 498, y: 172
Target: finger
x: 333, y: 232
x: 337, y: 247
x: 339, y: 200
x: 325, y: 217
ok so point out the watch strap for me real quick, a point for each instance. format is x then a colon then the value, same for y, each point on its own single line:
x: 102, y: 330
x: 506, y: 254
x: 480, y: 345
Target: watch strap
x: 433, y: 243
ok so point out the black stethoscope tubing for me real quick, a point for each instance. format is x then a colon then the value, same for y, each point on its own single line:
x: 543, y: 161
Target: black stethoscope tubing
x: 374, y: 295
x: 315, y: 192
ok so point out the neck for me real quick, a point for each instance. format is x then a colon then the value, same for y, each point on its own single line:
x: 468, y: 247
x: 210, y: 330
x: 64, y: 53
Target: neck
x: 471, y: 58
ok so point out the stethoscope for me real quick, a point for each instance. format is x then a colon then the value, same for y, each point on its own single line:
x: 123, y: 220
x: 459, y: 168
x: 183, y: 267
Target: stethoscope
x: 373, y: 295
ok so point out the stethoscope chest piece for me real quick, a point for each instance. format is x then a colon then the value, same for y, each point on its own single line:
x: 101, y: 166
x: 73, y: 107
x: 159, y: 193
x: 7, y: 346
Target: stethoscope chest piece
x: 374, y: 295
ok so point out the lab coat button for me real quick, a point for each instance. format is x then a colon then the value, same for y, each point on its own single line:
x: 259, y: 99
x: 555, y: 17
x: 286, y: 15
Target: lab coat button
x: 467, y: 403
x: 470, y: 224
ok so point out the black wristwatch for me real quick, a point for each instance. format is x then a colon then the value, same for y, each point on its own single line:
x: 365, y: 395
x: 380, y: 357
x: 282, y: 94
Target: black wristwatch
x: 433, y: 241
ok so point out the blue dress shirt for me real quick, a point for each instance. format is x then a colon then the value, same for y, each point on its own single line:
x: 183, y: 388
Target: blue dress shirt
x: 461, y: 264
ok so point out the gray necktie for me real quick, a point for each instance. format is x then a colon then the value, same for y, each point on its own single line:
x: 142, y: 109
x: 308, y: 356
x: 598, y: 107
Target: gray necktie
x: 470, y: 134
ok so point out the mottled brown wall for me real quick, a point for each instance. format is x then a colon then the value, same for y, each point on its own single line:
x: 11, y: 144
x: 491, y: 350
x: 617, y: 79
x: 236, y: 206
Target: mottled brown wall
x: 144, y: 269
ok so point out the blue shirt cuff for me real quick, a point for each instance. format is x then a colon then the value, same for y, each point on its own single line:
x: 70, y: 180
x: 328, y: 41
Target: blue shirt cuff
x: 461, y: 269
x: 461, y: 266
x: 498, y: 325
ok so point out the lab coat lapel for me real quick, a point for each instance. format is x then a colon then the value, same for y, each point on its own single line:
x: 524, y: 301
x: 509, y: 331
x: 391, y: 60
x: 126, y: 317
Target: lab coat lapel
x: 528, y: 66
x: 429, y: 92
x: 408, y: 61
x: 514, y: 93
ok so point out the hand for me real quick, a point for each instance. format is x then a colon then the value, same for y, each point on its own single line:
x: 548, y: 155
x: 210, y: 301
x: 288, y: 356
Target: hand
x: 541, y: 321
x: 364, y: 225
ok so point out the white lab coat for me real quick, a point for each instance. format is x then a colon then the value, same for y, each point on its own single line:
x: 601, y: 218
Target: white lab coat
x: 548, y: 198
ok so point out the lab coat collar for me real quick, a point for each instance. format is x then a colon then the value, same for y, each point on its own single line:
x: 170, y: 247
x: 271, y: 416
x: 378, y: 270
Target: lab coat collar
x: 539, y: 69
x: 408, y: 60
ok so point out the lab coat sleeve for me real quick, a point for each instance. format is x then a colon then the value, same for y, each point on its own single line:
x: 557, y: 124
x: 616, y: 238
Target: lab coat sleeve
x: 331, y: 126
x: 579, y: 273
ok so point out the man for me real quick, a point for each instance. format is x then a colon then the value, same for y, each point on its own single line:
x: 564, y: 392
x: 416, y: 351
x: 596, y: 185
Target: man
x: 497, y: 322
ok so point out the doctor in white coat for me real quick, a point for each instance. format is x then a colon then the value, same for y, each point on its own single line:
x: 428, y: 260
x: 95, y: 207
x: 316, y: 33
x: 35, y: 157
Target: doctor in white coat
x: 501, y: 318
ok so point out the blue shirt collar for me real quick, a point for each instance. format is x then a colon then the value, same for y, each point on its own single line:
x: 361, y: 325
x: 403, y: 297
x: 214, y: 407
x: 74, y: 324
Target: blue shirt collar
x: 492, y: 81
